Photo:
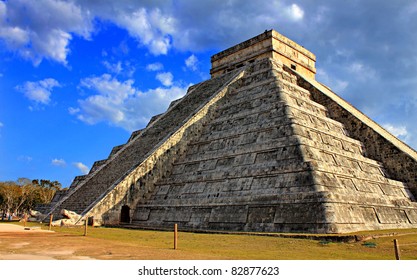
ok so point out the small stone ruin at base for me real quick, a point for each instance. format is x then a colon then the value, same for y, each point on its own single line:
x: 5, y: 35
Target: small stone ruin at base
x: 261, y: 146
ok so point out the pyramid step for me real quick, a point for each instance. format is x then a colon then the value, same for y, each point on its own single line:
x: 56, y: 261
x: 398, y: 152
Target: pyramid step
x: 270, y: 91
x: 335, y: 154
x: 225, y: 148
x: 217, y: 199
x: 77, y: 180
x: 264, y: 136
x: 153, y: 119
x: 115, y: 150
x: 259, y: 168
x: 249, y: 107
x: 134, y: 135
x: 325, y: 137
x: 270, y: 118
x: 123, y: 157
x: 242, y: 154
x: 97, y: 165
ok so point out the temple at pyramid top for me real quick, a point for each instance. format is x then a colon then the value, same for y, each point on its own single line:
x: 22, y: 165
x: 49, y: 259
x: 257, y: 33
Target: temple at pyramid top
x: 269, y: 44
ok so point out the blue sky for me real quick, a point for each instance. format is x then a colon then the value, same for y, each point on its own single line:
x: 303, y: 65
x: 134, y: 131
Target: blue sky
x: 77, y: 77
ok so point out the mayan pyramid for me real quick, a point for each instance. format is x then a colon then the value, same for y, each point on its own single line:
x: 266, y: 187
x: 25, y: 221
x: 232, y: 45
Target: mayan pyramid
x: 261, y: 146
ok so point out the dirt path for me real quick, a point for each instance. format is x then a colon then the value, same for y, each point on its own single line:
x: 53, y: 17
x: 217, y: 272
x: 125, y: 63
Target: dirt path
x: 20, y: 243
x: 16, y: 243
x: 16, y: 228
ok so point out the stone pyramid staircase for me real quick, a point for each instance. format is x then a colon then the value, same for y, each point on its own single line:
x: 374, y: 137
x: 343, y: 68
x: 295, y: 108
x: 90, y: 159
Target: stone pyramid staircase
x: 273, y: 160
x: 105, y: 174
x: 261, y: 146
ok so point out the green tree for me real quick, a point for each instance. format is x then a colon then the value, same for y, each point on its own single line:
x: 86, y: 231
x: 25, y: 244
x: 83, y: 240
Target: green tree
x: 46, y: 189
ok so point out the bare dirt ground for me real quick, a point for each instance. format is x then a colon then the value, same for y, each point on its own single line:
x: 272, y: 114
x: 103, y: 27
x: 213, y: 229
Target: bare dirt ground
x: 16, y: 243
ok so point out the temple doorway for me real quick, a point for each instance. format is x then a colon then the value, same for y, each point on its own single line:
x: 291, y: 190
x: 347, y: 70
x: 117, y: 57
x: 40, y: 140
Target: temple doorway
x: 125, y: 214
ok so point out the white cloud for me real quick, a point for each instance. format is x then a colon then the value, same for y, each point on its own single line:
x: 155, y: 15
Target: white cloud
x: 119, y: 103
x: 362, y: 71
x: 129, y: 69
x: 165, y: 78
x: 154, y: 66
x: 409, y: 10
x: 105, y: 105
x: 42, y: 29
x: 58, y: 162
x: 191, y: 62
x: 113, y: 67
x: 397, y: 131
x: 356, y: 67
x: 150, y: 26
x: 335, y: 84
x: 25, y: 158
x: 82, y: 167
x: 40, y: 91
x: 73, y: 111
x: 294, y: 12
x: 124, y: 68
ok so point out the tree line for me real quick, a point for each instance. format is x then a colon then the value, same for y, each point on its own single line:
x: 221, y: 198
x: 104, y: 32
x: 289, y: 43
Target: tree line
x: 20, y: 196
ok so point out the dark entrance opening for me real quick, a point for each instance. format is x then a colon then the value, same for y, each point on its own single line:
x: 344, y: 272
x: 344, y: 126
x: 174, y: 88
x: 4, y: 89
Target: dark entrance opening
x: 125, y: 214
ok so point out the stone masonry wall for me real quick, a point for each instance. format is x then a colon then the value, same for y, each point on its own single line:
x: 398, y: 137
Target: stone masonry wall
x: 158, y: 163
x: 125, y: 158
x: 273, y: 160
x: 397, y: 164
x: 246, y: 170
x: 358, y: 174
x: 269, y: 44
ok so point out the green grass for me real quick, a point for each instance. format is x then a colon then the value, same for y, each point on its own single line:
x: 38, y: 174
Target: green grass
x: 230, y: 246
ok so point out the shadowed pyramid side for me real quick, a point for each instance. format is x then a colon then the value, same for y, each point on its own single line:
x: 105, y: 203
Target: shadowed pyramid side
x: 125, y: 158
x: 273, y: 160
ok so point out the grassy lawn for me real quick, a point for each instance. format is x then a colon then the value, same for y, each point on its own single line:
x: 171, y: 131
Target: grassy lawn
x: 159, y: 244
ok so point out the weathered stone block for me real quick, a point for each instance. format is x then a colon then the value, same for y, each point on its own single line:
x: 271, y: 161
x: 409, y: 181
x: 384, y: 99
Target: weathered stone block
x: 261, y: 214
x: 391, y: 215
x: 177, y: 215
x: 141, y: 214
x: 412, y: 216
x: 229, y: 214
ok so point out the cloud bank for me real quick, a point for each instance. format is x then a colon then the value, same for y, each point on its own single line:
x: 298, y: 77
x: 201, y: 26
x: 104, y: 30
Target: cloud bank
x: 119, y: 103
x: 43, y: 29
x: 369, y: 60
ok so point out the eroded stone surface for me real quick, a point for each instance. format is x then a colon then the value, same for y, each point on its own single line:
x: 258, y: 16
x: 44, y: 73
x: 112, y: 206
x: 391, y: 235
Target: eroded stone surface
x: 260, y: 148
